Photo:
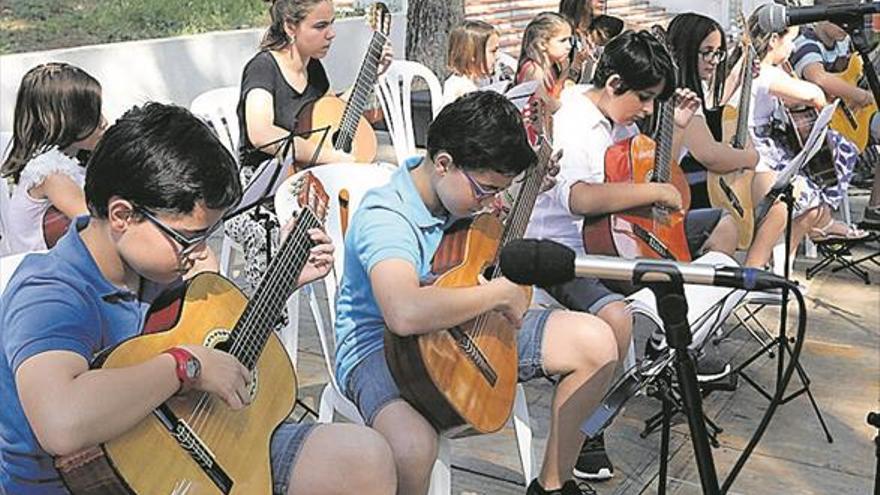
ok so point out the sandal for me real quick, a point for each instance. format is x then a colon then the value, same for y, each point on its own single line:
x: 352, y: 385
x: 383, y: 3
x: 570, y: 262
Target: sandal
x: 828, y: 233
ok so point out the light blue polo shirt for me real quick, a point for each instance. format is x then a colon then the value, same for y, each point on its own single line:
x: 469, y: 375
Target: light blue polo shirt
x: 392, y: 221
x: 55, y: 301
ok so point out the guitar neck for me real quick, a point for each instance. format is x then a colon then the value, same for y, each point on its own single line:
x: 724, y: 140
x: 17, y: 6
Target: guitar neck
x: 263, y: 311
x: 360, y: 94
x: 518, y: 219
x: 745, y: 101
x: 663, y: 154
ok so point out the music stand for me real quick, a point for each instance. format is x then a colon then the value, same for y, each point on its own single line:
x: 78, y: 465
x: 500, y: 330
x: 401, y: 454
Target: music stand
x: 268, y: 178
x: 783, y: 190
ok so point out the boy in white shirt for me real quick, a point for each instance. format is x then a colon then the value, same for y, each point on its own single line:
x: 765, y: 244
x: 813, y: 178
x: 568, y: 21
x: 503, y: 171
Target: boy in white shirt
x: 634, y: 71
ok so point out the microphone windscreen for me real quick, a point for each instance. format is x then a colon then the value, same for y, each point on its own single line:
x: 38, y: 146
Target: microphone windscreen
x: 771, y: 18
x: 537, y: 262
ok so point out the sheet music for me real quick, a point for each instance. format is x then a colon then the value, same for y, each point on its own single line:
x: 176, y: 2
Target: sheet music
x: 265, y: 181
x: 811, y: 146
x: 519, y: 95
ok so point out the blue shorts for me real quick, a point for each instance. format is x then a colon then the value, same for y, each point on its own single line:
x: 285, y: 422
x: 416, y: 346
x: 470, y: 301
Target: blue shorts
x: 698, y: 226
x: 371, y: 387
x: 286, y: 443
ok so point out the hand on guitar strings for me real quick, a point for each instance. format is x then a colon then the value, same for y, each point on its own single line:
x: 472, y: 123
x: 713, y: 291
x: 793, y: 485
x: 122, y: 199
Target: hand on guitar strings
x: 386, y: 59
x: 320, y: 256
x: 686, y: 104
x: 513, y: 300
x: 552, y: 171
x: 667, y: 196
x: 222, y: 375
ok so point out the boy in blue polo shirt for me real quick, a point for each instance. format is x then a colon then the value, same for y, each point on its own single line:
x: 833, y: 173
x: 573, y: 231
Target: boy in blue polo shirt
x: 476, y: 146
x: 157, y: 187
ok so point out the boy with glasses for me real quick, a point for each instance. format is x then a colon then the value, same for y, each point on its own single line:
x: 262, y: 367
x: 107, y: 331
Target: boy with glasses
x: 156, y: 187
x: 476, y: 146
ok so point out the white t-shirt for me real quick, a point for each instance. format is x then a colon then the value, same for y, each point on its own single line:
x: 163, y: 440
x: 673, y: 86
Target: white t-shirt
x: 584, y: 134
x: 456, y: 86
x: 765, y: 108
x: 24, y: 227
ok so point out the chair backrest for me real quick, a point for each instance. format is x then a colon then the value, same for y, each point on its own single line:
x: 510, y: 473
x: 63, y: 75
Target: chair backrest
x: 395, y: 93
x: 217, y: 107
x: 346, y: 184
x: 5, y: 145
x: 8, y: 265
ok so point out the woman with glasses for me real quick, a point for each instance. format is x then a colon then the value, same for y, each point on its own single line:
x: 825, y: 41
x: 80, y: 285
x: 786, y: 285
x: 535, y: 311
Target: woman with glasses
x: 699, y: 48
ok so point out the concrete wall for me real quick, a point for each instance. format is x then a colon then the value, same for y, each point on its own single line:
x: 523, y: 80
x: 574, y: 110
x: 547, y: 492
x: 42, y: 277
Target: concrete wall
x: 178, y: 69
x: 716, y: 9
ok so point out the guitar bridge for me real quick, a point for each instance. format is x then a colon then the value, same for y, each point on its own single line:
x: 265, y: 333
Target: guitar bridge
x: 731, y: 196
x: 467, y: 346
x: 193, y: 445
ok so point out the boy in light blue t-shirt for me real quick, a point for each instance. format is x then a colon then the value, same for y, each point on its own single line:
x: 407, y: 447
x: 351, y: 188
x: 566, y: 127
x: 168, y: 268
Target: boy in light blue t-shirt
x: 476, y: 146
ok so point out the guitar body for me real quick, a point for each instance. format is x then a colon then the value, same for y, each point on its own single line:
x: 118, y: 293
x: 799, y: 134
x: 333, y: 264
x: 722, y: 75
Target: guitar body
x: 328, y: 111
x: 148, y: 459
x: 644, y: 232
x: 853, y: 125
x: 55, y: 225
x: 463, y: 379
x: 733, y: 191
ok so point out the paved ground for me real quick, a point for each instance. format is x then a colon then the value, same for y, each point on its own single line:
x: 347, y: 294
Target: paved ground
x: 841, y: 356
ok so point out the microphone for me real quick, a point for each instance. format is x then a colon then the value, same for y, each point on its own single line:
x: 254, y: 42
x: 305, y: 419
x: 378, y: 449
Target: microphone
x: 774, y: 18
x: 546, y: 263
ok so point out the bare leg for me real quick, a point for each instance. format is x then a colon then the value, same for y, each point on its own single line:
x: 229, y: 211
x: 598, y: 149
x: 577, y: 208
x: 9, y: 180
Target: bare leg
x: 619, y: 319
x: 364, y: 454
x: 413, y: 444
x: 723, y: 238
x: 582, y: 348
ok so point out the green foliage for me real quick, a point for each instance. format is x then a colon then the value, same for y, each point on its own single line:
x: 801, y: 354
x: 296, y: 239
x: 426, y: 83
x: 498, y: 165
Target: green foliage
x: 29, y: 25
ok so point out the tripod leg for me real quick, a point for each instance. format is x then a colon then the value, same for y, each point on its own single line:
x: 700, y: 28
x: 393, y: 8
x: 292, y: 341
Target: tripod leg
x: 664, y: 446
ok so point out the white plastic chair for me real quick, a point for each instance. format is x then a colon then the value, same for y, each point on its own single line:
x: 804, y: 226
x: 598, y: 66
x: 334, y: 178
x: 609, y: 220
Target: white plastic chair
x: 356, y: 180
x: 8, y: 264
x: 217, y: 107
x: 395, y: 93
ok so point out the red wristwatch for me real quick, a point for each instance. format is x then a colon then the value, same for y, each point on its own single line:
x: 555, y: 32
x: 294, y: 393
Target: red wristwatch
x: 188, y: 366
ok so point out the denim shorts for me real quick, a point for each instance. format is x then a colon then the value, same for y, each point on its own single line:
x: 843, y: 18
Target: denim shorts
x: 371, y: 387
x: 698, y: 226
x: 286, y: 443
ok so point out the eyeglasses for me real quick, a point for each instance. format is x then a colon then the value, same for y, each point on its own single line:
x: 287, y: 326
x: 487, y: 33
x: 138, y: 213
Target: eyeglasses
x: 710, y: 55
x: 480, y: 192
x: 187, y: 244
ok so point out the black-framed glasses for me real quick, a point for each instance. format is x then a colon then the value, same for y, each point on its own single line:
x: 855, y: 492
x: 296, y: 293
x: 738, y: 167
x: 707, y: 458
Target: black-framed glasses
x: 710, y: 55
x: 480, y: 191
x: 187, y: 244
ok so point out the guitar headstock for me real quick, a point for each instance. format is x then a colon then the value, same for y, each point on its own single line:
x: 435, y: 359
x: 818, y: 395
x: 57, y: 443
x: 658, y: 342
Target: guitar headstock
x: 535, y: 116
x: 379, y: 18
x: 310, y: 194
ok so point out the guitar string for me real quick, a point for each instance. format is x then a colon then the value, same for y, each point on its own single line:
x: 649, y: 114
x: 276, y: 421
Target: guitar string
x: 251, y: 347
x: 349, y: 123
x: 258, y: 316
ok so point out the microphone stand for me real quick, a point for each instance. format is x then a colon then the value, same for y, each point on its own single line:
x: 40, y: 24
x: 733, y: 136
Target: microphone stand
x: 673, y: 309
x: 874, y: 420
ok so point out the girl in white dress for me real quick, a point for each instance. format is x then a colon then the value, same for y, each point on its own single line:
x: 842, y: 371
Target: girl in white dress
x: 57, y: 116
x: 472, y: 58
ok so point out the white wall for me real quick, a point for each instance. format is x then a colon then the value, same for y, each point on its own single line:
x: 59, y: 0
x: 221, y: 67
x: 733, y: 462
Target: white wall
x: 716, y: 9
x: 177, y: 69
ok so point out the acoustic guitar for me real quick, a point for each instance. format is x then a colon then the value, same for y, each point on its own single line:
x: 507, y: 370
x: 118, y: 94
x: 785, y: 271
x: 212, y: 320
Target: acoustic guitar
x: 854, y: 125
x: 463, y: 379
x: 653, y: 231
x: 732, y: 191
x: 55, y: 225
x: 194, y: 443
x: 349, y: 130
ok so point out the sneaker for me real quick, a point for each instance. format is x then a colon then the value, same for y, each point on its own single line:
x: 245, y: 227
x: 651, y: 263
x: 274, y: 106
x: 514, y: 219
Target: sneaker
x: 710, y: 365
x: 568, y: 488
x: 593, y: 462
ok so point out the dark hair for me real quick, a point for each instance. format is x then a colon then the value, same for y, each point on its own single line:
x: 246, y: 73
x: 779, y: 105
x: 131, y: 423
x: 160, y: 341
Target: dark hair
x: 482, y: 130
x: 685, y: 34
x: 608, y: 25
x: 282, y: 12
x: 164, y: 159
x: 641, y: 61
x: 57, y: 104
x: 579, y: 12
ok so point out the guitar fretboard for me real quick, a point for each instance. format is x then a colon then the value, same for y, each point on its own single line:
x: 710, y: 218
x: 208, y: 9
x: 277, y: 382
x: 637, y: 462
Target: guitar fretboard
x: 360, y: 94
